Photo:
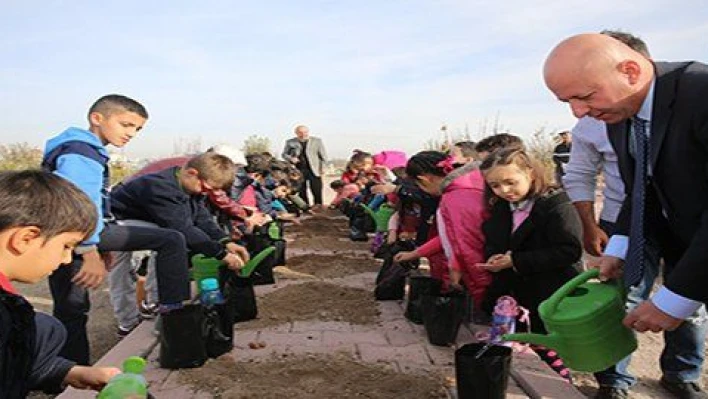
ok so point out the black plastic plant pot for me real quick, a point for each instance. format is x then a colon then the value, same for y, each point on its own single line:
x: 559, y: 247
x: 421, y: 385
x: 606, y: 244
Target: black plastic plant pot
x: 483, y: 375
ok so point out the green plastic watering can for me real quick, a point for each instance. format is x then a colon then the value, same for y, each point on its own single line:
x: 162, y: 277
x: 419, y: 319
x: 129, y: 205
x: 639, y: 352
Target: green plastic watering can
x: 204, y: 267
x: 129, y: 384
x: 380, y: 216
x: 251, y: 265
x: 584, y: 323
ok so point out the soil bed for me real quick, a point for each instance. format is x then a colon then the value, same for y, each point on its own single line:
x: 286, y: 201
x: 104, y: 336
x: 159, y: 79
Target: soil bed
x: 309, y: 377
x: 315, y: 301
x: 319, y: 227
x: 329, y: 266
x: 327, y: 244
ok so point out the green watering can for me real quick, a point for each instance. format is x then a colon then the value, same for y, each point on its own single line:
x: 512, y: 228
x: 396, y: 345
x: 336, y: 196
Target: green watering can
x: 380, y: 216
x: 129, y: 384
x: 204, y: 267
x: 584, y: 323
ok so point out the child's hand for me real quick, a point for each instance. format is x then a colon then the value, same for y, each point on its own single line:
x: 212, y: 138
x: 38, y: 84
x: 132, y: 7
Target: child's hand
x: 238, y: 250
x: 92, y: 272
x: 497, y: 262
x: 383, y: 189
x: 233, y: 261
x: 405, y: 256
x: 288, y: 217
x: 83, y: 377
x: 455, y: 277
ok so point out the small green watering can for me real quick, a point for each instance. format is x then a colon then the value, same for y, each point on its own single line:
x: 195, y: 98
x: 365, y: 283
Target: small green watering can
x: 204, y: 267
x: 584, y: 323
x: 380, y: 216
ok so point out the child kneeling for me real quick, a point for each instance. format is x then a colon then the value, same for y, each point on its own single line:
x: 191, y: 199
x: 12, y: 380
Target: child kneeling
x: 42, y: 219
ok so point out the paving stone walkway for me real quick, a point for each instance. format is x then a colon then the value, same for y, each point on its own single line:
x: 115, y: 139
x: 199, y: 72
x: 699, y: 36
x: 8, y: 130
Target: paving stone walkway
x: 393, y: 342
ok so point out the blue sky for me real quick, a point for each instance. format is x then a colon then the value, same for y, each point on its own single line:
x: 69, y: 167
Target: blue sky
x: 364, y: 74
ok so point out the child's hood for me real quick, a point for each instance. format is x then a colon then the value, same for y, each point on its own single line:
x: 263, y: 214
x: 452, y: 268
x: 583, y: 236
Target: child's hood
x: 467, y: 177
x: 76, y: 134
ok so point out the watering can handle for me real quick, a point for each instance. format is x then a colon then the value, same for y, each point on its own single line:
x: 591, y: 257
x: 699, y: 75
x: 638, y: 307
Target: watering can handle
x: 570, y: 286
x: 368, y: 210
x: 248, y: 268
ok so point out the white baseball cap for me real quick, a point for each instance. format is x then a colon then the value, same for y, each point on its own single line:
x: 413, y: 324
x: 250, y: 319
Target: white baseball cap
x: 234, y: 154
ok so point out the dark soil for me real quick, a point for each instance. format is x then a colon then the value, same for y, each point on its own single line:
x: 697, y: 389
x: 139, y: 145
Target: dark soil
x: 330, y: 266
x: 309, y: 377
x: 315, y: 301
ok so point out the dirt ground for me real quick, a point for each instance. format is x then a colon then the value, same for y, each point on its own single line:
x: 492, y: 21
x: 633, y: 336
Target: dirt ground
x: 329, y: 266
x: 314, y: 301
x: 309, y: 377
x: 645, y: 366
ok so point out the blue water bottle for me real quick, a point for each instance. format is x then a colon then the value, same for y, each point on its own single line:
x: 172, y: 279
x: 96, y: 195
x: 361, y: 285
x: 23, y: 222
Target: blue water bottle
x: 210, y: 295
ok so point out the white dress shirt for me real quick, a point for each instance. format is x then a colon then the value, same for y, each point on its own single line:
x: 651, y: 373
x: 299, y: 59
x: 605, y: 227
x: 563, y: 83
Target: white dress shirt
x: 590, y: 153
x: 666, y: 300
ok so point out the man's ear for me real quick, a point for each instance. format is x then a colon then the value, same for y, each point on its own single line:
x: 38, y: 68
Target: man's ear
x: 631, y: 69
x: 23, y: 238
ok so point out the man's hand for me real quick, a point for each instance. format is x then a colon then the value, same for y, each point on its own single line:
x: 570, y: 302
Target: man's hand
x: 233, y: 261
x: 83, y: 377
x: 610, y: 267
x: 405, y: 256
x: 594, y: 240
x: 647, y: 317
x: 92, y: 272
x: 238, y: 250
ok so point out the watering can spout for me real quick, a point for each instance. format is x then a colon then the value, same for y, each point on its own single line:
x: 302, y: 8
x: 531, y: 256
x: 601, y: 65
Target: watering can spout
x: 548, y: 340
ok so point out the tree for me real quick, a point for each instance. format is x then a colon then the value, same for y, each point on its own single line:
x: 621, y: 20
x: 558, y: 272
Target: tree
x: 120, y: 170
x: 541, y: 147
x: 256, y: 145
x: 19, y: 156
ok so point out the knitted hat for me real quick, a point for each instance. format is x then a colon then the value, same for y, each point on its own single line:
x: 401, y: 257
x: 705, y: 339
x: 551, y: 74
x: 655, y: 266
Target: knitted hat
x: 391, y: 159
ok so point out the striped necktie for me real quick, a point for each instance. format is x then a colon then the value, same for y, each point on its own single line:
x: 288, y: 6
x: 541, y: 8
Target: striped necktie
x: 634, y: 265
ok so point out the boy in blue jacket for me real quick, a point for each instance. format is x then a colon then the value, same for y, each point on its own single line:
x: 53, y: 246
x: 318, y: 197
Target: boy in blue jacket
x: 80, y: 156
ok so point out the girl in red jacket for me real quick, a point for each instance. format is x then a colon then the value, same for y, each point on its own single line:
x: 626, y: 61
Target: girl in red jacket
x: 459, y: 217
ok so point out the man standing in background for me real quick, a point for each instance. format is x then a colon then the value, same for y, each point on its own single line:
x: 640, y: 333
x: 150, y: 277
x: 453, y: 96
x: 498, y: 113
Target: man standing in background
x: 308, y: 155
x: 561, y: 155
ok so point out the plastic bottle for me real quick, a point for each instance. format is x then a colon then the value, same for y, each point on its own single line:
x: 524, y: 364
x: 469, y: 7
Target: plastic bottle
x: 506, y: 311
x: 129, y: 384
x: 210, y: 294
x: 274, y: 231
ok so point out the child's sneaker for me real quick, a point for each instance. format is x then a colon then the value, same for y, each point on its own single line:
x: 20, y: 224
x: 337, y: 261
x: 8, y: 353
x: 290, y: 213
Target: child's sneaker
x: 148, y: 311
x: 123, y: 332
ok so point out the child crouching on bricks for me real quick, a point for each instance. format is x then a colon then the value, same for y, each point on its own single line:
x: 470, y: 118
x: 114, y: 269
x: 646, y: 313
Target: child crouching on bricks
x: 42, y: 219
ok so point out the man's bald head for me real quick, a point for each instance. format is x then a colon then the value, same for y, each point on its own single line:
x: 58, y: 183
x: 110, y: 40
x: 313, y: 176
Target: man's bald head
x: 598, y: 76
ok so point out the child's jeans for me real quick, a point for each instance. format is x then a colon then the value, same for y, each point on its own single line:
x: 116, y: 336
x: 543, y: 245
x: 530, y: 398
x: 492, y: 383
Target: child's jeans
x: 48, y: 369
x: 71, y: 302
x: 122, y: 282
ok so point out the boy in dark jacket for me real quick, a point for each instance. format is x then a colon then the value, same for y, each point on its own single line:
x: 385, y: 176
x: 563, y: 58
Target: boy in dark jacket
x: 42, y: 219
x: 174, y: 199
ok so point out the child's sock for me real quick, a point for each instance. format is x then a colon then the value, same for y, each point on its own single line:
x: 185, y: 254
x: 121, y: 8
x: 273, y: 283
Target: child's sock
x: 552, y: 359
